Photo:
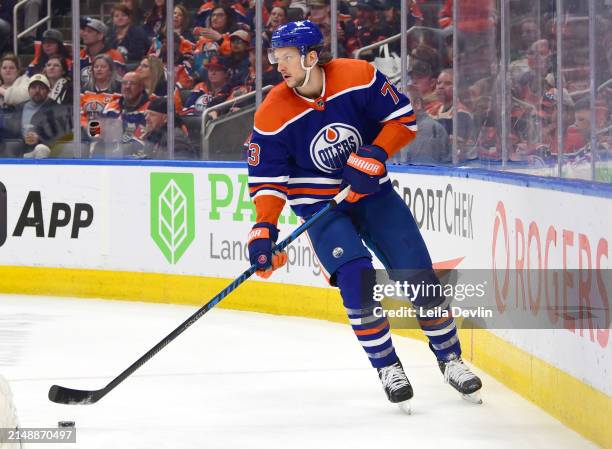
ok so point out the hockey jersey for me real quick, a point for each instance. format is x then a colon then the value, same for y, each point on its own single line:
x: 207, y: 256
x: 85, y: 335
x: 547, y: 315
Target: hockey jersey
x: 93, y: 104
x: 299, y: 146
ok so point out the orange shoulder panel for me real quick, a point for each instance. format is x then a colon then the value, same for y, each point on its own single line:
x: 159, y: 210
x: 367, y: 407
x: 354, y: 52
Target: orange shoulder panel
x: 280, y: 106
x: 342, y: 74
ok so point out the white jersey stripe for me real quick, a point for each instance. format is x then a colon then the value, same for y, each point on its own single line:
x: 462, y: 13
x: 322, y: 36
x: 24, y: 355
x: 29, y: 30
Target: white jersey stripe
x: 297, y: 201
x: 405, y: 110
x: 314, y: 181
x: 262, y: 179
x: 287, y: 123
x: 271, y: 192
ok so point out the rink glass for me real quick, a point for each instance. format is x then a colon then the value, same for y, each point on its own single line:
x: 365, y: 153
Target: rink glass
x: 509, y: 62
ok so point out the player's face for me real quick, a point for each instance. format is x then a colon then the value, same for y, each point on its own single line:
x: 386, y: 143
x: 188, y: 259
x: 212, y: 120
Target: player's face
x: 289, y: 66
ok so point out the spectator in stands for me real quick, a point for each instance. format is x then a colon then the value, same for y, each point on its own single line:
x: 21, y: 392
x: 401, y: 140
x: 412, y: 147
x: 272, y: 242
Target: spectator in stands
x: 236, y: 12
x: 538, y: 79
x: 422, y: 78
x: 214, y: 90
x: 429, y: 55
x: 131, y: 40
x: 103, y: 87
x: 238, y: 61
x: 185, y: 47
x: 444, y: 115
x: 319, y: 12
x: 104, y: 76
x: 548, y: 111
x: 41, y: 122
x: 151, y: 72
x: 217, y: 31
x: 56, y: 71
x: 155, y: 18
x: 13, y: 84
x: 391, y: 17
x: 431, y: 145
x: 579, y: 133
x: 529, y: 33
x: 129, y: 109
x: 93, y: 32
x: 153, y: 144
x: 134, y: 7
x: 180, y: 21
x: 367, y: 28
x: 184, y: 74
x: 278, y: 17
x: 476, y: 35
x: 6, y: 19
x: 52, y: 44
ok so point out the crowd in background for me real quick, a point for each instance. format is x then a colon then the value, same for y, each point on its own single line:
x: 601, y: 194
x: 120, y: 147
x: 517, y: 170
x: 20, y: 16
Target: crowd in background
x: 123, y: 74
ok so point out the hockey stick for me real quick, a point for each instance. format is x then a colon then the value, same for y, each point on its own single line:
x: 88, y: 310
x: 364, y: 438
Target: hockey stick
x: 63, y: 395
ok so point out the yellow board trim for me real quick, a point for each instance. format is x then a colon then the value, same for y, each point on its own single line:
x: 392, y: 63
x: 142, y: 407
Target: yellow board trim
x: 575, y: 404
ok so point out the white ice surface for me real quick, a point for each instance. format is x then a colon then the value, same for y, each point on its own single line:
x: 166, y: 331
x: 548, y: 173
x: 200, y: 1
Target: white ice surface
x: 242, y: 380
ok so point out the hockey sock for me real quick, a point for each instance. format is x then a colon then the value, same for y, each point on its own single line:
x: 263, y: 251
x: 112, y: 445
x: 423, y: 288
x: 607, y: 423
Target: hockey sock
x: 442, y: 334
x: 356, y: 280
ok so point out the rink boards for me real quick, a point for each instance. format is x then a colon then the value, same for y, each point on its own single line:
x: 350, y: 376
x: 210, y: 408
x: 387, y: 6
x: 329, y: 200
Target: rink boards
x: 176, y: 233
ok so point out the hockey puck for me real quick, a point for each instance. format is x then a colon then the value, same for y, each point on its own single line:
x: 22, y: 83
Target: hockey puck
x: 65, y: 424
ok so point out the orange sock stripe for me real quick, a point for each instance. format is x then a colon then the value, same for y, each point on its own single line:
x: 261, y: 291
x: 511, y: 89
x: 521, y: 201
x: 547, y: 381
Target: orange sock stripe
x: 374, y: 330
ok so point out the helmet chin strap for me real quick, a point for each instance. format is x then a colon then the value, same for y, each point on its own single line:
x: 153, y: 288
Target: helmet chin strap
x: 307, y: 69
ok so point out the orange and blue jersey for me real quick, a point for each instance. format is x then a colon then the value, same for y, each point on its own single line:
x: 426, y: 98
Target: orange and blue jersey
x: 93, y: 104
x: 133, y: 118
x: 300, y: 146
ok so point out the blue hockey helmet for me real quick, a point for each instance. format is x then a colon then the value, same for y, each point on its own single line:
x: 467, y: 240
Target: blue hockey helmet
x: 302, y: 34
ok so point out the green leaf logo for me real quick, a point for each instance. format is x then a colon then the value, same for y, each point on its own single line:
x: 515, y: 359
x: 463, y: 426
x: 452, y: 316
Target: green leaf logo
x: 172, y: 213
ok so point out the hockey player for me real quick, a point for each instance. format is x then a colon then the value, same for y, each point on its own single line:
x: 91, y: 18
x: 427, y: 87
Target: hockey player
x: 331, y: 124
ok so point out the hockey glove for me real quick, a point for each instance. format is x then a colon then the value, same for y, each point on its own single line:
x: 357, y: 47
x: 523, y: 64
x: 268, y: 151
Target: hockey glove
x: 261, y: 238
x: 363, y: 171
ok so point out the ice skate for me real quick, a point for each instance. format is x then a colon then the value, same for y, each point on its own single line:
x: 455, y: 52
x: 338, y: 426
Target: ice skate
x: 458, y: 375
x: 396, y: 385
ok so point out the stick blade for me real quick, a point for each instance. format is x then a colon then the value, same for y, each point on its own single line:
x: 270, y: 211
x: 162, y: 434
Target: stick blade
x: 63, y: 395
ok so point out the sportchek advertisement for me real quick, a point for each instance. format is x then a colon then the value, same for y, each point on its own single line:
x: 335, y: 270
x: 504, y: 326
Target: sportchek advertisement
x: 194, y: 220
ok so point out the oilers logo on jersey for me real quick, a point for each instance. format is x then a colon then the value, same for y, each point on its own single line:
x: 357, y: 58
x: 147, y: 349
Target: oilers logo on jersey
x: 332, y: 146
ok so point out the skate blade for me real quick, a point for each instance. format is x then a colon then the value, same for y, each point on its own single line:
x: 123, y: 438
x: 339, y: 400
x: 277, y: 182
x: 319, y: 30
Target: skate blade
x: 405, y: 407
x: 473, y: 398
